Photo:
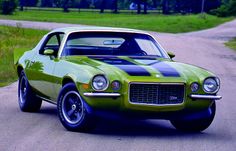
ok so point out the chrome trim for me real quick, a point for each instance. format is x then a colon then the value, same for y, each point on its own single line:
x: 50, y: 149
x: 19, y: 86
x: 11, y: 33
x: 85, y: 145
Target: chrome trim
x: 146, y: 104
x: 91, y: 94
x: 47, y: 100
x: 207, y: 97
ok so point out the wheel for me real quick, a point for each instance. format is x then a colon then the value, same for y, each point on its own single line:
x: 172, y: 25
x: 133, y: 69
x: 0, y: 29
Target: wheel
x: 72, y: 111
x: 27, y: 99
x: 195, y: 125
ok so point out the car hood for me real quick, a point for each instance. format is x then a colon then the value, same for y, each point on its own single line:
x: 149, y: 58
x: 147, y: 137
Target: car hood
x: 142, y: 68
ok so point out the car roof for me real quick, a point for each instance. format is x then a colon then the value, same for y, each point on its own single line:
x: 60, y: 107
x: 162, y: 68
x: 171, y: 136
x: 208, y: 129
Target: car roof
x: 96, y: 29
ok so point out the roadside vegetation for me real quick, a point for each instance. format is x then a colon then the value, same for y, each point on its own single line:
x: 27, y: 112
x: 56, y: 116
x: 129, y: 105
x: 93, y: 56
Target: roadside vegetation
x: 13, y: 42
x: 151, y: 22
x: 228, y: 8
x: 231, y: 44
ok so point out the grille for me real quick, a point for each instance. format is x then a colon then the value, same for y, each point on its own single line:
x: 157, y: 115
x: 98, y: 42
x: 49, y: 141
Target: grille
x: 156, y: 93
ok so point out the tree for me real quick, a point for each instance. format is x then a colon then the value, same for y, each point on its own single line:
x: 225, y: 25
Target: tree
x: 138, y: 6
x: 232, y: 7
x: 7, y: 7
x: 227, y: 9
x: 22, y: 4
x: 154, y: 3
x: 102, y: 6
x: 65, y: 6
x: 46, y: 3
x: 145, y: 6
x: 165, y: 7
x: 115, y: 6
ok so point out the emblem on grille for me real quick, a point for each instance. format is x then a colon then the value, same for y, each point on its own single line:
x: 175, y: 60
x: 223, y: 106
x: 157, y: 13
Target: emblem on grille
x: 173, y: 98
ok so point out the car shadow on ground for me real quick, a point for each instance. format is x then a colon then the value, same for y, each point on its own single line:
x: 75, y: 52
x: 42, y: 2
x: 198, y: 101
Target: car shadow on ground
x: 131, y: 127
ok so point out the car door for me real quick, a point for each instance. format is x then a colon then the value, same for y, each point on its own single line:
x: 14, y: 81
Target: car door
x: 43, y: 66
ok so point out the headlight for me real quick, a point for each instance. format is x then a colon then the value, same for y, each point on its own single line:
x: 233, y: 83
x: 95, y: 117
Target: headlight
x: 100, y: 83
x: 194, y: 86
x: 211, y: 85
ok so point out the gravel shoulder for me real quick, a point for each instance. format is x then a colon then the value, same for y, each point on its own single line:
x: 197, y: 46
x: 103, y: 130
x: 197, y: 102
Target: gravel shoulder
x: 43, y: 131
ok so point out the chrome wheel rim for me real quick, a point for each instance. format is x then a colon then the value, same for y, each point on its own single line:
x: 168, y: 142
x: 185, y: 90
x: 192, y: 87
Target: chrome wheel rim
x: 72, y: 107
x: 23, y: 89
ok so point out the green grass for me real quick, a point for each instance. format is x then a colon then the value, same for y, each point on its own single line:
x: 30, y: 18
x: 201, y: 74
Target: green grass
x: 14, y: 41
x: 151, y: 22
x: 231, y: 44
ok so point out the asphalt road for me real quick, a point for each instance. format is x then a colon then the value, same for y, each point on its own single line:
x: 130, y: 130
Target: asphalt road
x: 43, y: 130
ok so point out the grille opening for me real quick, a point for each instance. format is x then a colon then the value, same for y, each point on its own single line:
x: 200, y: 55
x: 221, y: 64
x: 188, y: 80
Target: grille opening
x: 156, y: 93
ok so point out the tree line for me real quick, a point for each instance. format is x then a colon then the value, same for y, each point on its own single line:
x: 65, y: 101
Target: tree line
x: 141, y: 6
x: 216, y: 7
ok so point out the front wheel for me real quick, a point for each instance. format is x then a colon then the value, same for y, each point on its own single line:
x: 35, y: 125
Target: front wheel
x: 195, y: 125
x: 72, y: 111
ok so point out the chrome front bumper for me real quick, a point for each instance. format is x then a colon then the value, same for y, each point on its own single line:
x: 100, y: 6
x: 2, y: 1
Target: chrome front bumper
x: 205, y: 97
x: 193, y: 96
x: 90, y: 94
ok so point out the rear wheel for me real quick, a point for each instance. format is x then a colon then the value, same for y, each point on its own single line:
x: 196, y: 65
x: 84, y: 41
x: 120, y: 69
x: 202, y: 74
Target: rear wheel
x: 72, y: 111
x: 27, y: 99
x: 195, y: 125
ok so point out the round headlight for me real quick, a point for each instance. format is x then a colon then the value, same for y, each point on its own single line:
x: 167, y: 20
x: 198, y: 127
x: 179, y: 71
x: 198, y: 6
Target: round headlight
x: 194, y: 87
x: 211, y: 85
x: 100, y: 83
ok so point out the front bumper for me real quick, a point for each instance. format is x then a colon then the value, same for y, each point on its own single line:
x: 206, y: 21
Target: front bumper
x: 119, y: 102
x: 102, y: 94
x: 205, y: 97
x: 192, y: 96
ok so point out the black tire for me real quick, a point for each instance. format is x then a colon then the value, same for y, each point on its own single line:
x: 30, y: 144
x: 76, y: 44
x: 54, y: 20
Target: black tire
x: 27, y: 99
x: 195, y: 125
x: 72, y: 111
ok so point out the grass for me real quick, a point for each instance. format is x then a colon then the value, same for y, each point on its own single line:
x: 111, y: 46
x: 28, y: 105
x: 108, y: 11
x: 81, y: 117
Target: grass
x: 151, y: 22
x: 231, y: 44
x: 14, y: 41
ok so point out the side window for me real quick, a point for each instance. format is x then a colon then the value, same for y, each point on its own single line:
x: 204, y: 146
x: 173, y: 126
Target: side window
x: 53, y: 42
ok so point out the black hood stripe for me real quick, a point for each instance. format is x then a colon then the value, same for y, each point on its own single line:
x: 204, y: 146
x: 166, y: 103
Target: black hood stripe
x: 165, y: 69
x: 129, y: 67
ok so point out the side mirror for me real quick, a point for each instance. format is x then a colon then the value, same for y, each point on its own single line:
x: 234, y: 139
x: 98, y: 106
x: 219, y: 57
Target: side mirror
x: 48, y: 52
x: 171, y: 55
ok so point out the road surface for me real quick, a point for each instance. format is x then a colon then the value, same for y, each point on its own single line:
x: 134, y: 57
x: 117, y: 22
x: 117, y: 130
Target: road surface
x: 43, y: 131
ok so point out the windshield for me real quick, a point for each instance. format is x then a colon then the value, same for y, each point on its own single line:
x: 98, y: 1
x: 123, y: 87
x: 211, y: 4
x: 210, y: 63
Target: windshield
x: 111, y: 43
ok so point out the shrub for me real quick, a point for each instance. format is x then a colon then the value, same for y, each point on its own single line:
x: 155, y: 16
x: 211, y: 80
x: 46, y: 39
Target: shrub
x: 227, y: 9
x: 8, y: 6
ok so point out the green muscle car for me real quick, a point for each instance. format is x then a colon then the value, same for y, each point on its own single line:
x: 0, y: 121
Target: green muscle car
x: 94, y: 72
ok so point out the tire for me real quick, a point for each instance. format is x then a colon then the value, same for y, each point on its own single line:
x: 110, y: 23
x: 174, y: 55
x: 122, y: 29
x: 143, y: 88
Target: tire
x: 27, y: 99
x: 195, y: 125
x: 72, y: 111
